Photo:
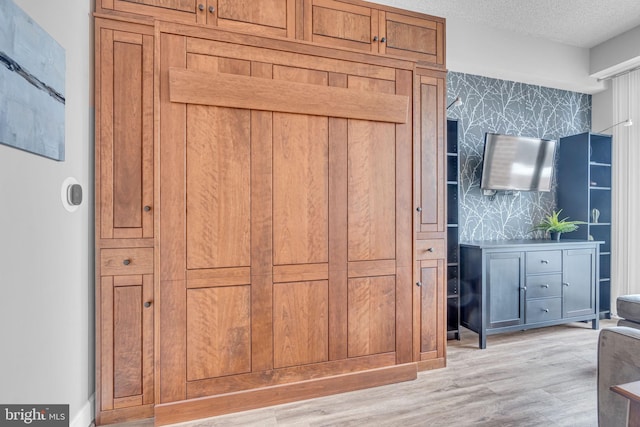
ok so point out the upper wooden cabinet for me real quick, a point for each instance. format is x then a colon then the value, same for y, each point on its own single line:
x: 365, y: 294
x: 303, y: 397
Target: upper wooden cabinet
x: 124, y: 131
x: 264, y: 17
x: 356, y: 25
x: 430, y: 152
x: 350, y: 24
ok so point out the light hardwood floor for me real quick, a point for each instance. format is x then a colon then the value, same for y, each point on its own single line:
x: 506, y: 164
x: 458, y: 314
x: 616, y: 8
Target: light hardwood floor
x: 540, y: 377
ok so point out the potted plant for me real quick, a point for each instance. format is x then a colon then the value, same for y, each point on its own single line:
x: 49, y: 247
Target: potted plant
x: 555, y: 226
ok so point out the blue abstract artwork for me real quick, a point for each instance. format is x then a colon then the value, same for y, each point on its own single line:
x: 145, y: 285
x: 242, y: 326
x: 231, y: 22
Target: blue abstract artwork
x: 32, y: 85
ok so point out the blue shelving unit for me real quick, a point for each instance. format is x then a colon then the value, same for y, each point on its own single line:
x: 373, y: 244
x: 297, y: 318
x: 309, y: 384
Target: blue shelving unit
x: 453, y: 288
x: 584, y: 194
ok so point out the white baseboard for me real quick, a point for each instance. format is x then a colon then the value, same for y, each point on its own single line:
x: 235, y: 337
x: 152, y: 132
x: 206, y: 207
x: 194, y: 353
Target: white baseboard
x: 86, y: 415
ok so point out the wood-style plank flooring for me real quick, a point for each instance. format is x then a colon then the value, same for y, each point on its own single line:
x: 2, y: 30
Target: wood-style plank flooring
x: 540, y: 377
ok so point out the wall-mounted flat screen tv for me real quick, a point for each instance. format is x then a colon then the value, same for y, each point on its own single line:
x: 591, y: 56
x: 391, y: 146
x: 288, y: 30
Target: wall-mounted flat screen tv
x: 517, y: 163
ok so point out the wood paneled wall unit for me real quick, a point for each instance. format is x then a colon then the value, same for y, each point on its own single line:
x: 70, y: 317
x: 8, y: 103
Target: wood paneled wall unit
x: 269, y: 202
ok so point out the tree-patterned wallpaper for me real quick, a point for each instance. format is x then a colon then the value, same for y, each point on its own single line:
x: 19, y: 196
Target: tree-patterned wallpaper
x: 511, y: 108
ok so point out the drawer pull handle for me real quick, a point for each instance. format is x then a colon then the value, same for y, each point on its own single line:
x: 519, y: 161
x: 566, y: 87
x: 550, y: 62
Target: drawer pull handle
x: 545, y: 286
x: 544, y: 261
x: 212, y: 9
x: 565, y: 283
x: 126, y: 262
x: 419, y: 209
x: 546, y: 310
x: 147, y: 208
x: 430, y: 250
x: 147, y: 304
x: 201, y: 7
x: 524, y: 288
x: 382, y: 40
x: 418, y: 284
x: 375, y: 38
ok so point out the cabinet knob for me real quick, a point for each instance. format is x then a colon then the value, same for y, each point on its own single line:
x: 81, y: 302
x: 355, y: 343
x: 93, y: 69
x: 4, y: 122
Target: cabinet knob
x: 418, y: 284
x: 430, y: 250
x: 546, y: 310
x: 147, y: 304
x: 126, y: 262
x: 524, y: 288
x: 147, y: 208
x: 545, y: 286
x: 419, y: 209
x: 382, y: 40
x: 375, y: 38
x: 212, y: 9
x: 201, y: 6
x: 565, y: 283
x: 544, y: 261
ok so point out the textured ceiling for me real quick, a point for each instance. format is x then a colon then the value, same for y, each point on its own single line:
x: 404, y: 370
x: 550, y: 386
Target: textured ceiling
x: 583, y: 23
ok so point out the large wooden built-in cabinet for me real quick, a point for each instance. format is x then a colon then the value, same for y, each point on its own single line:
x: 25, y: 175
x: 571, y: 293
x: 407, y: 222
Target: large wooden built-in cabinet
x: 270, y: 203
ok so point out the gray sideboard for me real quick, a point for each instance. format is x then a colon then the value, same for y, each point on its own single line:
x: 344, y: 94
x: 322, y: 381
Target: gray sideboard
x: 515, y: 285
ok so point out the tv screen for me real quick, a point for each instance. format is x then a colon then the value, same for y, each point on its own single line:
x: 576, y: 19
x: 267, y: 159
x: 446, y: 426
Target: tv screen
x: 516, y: 163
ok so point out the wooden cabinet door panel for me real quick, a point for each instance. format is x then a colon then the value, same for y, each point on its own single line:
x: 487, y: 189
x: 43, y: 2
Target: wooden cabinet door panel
x: 322, y: 191
x: 218, y: 176
x: 371, y: 315
x: 127, y: 343
x: 168, y: 10
x: 126, y: 338
x: 264, y: 17
x: 432, y: 173
x: 218, y: 332
x: 371, y: 190
x: 336, y: 24
x: 300, y: 189
x: 432, y: 309
x: 125, y: 134
x: 300, y: 323
x: 184, y: 5
x: 412, y: 37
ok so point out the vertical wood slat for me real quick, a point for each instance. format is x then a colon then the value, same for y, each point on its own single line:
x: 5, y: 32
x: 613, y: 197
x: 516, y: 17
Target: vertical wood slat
x: 147, y: 136
x: 404, y: 218
x: 106, y: 338
x: 338, y: 170
x: 147, y: 340
x: 261, y: 232
x: 172, y: 304
x: 105, y: 173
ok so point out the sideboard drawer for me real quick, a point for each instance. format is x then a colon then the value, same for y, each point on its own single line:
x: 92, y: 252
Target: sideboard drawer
x: 430, y: 249
x: 116, y: 262
x: 543, y: 286
x: 544, y: 262
x: 542, y: 310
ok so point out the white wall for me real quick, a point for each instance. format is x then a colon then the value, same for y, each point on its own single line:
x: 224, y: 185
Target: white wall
x: 476, y: 49
x: 46, y: 276
x: 617, y: 54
